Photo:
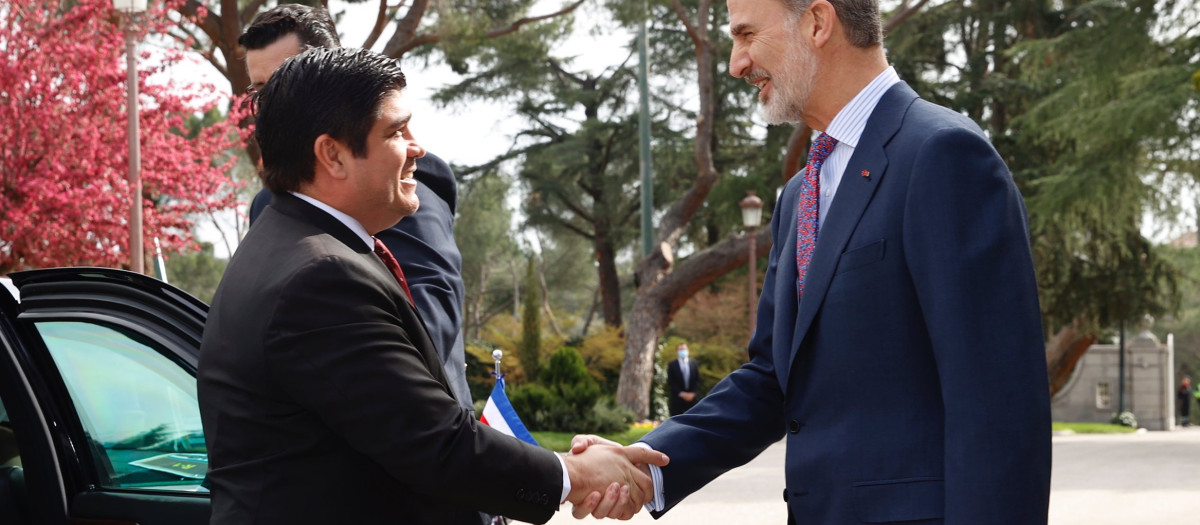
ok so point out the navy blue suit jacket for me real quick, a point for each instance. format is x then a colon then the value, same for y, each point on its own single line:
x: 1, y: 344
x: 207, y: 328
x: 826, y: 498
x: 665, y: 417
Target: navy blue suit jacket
x: 910, y: 380
x: 424, y: 244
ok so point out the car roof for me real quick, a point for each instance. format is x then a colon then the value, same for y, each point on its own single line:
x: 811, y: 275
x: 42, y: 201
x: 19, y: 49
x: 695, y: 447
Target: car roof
x: 12, y: 289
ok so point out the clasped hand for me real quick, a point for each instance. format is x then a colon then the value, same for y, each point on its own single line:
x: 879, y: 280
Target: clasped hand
x: 608, y: 480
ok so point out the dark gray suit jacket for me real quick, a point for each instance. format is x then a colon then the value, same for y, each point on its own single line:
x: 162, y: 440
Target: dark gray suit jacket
x: 424, y: 245
x: 324, y: 401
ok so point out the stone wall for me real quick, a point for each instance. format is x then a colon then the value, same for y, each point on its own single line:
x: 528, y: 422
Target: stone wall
x: 1092, y: 393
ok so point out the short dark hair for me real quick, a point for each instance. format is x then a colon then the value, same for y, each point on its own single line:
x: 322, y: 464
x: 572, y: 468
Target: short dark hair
x: 321, y: 91
x: 312, y: 25
x: 860, y: 18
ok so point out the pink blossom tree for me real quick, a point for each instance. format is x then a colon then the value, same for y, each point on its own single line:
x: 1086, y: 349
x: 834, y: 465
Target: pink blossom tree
x: 64, y: 189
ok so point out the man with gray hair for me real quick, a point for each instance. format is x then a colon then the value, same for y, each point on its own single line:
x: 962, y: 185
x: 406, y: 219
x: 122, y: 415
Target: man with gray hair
x: 899, y: 343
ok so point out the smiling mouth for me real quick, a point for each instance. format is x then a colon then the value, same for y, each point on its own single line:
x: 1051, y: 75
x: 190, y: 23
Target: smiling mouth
x: 758, y: 80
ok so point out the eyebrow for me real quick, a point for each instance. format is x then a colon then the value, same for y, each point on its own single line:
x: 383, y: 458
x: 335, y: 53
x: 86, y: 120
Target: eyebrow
x: 739, y: 29
x: 400, y: 122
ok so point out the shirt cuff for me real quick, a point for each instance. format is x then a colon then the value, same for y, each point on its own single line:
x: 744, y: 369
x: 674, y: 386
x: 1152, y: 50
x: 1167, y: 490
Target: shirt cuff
x: 655, y: 504
x: 566, y: 480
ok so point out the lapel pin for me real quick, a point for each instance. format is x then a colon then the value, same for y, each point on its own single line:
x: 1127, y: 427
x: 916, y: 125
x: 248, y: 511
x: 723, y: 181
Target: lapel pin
x: 866, y: 174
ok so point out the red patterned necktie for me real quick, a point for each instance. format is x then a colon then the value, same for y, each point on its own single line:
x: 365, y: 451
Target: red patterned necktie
x: 808, y: 213
x: 392, y: 264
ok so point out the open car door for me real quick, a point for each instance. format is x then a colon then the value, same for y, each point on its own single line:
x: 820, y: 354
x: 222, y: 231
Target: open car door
x: 99, y: 421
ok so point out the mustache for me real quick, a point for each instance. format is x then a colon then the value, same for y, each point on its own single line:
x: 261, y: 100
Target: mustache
x: 756, y: 75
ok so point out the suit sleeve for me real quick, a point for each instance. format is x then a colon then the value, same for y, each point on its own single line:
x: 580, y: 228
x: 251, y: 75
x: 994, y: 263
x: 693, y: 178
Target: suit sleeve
x: 740, y: 417
x: 336, y: 344
x: 967, y: 247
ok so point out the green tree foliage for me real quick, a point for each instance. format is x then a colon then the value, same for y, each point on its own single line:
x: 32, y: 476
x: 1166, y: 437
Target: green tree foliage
x: 1090, y: 103
x: 531, y: 321
x: 196, y: 272
x: 1184, y: 323
x: 578, y: 154
x: 483, y: 231
x: 576, y: 160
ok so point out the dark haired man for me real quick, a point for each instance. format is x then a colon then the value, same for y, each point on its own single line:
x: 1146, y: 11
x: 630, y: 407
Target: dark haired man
x: 901, y: 261
x: 424, y: 241
x: 322, y: 397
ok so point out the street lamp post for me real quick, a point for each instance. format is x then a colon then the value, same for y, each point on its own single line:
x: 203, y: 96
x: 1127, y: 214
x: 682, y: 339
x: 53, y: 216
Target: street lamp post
x: 751, y: 218
x: 136, y: 252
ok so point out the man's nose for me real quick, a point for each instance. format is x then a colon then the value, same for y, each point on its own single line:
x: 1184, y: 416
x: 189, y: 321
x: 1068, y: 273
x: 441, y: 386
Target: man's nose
x: 739, y: 61
x: 415, y: 150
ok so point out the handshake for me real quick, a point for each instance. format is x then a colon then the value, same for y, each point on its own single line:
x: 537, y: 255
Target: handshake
x: 608, y: 480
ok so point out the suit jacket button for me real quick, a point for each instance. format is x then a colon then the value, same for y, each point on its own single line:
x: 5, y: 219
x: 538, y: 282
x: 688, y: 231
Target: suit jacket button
x: 793, y: 426
x: 785, y: 495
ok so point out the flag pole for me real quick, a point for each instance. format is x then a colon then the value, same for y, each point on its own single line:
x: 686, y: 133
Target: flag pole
x: 497, y: 354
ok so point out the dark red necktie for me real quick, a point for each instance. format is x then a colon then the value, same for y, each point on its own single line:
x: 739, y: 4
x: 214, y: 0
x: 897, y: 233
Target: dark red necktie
x: 808, y: 213
x: 392, y: 264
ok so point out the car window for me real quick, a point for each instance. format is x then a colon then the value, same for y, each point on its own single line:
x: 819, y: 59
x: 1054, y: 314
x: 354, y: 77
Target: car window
x: 138, y: 408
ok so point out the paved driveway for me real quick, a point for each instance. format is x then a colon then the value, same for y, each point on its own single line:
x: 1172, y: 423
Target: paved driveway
x: 1128, y: 479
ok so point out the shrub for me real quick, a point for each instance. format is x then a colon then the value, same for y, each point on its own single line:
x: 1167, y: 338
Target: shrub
x: 1125, y: 418
x: 567, y: 399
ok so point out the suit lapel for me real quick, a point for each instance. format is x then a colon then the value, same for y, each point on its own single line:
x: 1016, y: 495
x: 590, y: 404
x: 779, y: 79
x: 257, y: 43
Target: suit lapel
x: 295, y: 207
x: 853, y: 194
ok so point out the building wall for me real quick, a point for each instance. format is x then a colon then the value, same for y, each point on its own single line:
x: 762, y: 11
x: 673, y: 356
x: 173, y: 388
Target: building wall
x: 1092, y: 394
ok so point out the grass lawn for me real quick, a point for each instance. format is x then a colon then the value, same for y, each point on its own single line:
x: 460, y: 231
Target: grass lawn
x: 561, y: 441
x: 1091, y: 428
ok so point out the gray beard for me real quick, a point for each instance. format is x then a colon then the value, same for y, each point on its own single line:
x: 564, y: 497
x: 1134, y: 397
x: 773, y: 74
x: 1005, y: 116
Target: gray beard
x: 799, y: 70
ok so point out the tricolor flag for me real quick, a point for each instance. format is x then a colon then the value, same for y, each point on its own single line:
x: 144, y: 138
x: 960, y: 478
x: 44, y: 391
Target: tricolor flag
x: 498, y: 413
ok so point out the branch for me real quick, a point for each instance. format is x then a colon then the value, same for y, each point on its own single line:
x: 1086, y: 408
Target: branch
x: 687, y: 22
x: 381, y: 19
x: 901, y: 17
x: 211, y: 56
x: 702, y: 269
x: 250, y: 10
x: 211, y: 24
x: 404, y: 40
x: 564, y: 73
x: 517, y: 25
x: 579, y: 231
x: 406, y: 29
x: 575, y: 208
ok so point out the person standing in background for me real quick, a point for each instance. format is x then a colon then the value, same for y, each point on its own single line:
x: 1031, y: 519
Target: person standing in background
x: 683, y: 378
x: 1184, y: 400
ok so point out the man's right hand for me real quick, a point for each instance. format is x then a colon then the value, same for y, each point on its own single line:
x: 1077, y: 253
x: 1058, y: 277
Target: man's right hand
x: 620, y: 474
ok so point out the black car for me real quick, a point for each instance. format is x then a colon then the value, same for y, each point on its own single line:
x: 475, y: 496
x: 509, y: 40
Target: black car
x: 98, y: 415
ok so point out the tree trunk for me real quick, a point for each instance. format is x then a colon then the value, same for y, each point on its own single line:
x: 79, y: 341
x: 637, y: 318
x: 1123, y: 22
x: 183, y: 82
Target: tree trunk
x: 797, y: 151
x: 610, y: 285
x: 1063, y: 352
x: 656, y: 306
x: 658, y: 288
x: 546, y: 297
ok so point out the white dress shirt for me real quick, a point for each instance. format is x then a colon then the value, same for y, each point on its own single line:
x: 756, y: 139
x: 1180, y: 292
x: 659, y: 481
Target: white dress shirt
x: 349, y: 221
x: 847, y: 127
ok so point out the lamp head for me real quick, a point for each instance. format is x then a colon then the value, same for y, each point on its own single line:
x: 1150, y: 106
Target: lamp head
x: 130, y: 6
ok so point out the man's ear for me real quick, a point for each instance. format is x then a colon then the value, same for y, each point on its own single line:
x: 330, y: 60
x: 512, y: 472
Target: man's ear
x: 824, y: 19
x: 330, y: 156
